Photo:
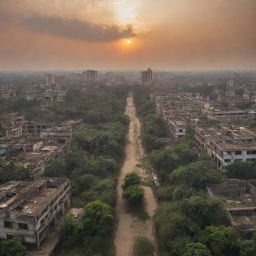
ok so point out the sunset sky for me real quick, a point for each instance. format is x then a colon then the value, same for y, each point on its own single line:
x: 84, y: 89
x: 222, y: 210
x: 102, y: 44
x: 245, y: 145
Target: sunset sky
x: 127, y: 34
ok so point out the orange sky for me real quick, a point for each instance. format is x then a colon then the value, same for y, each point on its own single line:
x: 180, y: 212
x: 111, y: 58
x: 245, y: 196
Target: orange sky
x: 164, y: 34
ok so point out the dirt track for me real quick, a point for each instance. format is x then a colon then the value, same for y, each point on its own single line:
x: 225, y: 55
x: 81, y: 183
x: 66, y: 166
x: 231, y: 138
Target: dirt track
x: 129, y: 225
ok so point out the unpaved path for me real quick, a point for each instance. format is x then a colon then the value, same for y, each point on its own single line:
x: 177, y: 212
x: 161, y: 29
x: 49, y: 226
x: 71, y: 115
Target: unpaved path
x: 129, y: 225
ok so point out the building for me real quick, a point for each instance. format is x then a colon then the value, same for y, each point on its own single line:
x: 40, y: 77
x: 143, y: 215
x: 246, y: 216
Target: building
x: 29, y: 210
x: 177, y: 127
x: 147, y: 77
x: 50, y: 80
x: 227, y: 145
x: 91, y: 75
x: 239, y: 198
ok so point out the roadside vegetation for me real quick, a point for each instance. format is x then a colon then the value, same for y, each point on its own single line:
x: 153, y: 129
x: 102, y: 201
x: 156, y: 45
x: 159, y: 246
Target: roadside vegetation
x: 188, y: 222
x: 92, y: 164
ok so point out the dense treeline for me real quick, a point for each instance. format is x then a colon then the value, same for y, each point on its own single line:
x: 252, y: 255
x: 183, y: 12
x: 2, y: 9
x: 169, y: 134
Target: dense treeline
x: 92, y: 164
x: 153, y: 127
x: 94, y: 106
x: 188, y: 221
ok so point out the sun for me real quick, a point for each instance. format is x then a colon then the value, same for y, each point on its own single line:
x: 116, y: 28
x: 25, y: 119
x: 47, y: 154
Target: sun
x: 129, y: 41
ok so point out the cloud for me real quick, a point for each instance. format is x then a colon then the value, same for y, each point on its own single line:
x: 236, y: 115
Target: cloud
x: 76, y: 29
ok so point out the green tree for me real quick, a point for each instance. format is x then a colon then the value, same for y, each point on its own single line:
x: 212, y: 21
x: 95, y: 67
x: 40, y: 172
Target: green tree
x: 134, y: 194
x: 241, y: 170
x: 196, y: 174
x: 204, y: 211
x: 97, y: 219
x: 173, y: 229
x: 131, y: 179
x: 70, y: 231
x: 196, y: 249
x: 248, y: 248
x: 142, y: 247
x: 221, y: 241
x: 12, y: 247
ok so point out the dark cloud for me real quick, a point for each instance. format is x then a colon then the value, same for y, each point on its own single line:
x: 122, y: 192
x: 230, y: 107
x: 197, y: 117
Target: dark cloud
x: 76, y: 29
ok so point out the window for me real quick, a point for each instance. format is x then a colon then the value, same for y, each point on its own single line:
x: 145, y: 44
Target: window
x: 227, y: 160
x: 8, y: 224
x: 23, y: 226
x: 238, y: 152
x: 251, y: 152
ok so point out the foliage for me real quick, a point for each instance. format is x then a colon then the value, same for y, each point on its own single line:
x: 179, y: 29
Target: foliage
x: 142, y: 246
x: 196, y: 174
x: 241, y: 170
x: 174, y: 229
x: 131, y: 179
x: 70, y: 231
x: 221, y: 240
x: 204, y: 211
x: 196, y: 249
x: 9, y: 171
x: 248, y: 248
x: 153, y: 126
x: 97, y: 219
x: 134, y: 195
x: 12, y: 247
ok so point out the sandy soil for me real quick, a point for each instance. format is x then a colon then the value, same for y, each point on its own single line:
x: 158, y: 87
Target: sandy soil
x: 129, y: 225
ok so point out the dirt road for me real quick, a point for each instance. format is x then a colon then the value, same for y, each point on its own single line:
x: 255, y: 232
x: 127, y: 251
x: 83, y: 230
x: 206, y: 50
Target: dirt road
x: 129, y: 225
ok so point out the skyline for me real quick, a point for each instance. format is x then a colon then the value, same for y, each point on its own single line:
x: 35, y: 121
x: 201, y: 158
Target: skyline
x: 122, y: 34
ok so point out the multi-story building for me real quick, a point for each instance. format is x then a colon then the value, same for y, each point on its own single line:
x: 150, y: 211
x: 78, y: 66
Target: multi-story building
x: 29, y: 210
x: 91, y: 75
x: 177, y: 127
x: 147, y: 77
x: 227, y: 145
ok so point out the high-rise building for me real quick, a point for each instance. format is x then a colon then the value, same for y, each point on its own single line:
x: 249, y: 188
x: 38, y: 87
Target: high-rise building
x: 91, y: 75
x: 50, y: 79
x: 147, y: 77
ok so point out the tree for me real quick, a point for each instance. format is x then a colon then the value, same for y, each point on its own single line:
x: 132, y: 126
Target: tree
x: 173, y: 229
x: 70, y: 231
x: 248, y: 248
x: 204, y: 211
x: 196, y: 174
x: 196, y: 249
x: 220, y: 240
x: 12, y: 247
x: 97, y: 219
x: 142, y: 247
x: 241, y: 170
x: 131, y: 179
x: 134, y: 194
x: 56, y: 169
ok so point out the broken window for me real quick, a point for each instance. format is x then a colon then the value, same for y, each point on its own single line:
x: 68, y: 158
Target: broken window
x: 23, y: 226
x: 8, y: 224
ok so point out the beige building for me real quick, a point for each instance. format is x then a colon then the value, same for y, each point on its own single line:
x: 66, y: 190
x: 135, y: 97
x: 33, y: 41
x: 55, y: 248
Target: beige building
x: 30, y: 210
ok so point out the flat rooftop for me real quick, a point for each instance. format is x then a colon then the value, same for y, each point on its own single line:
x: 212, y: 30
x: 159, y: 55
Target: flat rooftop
x: 30, y: 198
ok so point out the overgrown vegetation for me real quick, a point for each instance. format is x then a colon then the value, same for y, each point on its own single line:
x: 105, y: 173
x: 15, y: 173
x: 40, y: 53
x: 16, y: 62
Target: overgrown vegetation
x: 12, y: 247
x: 188, y: 222
x: 142, y: 247
x: 93, y: 162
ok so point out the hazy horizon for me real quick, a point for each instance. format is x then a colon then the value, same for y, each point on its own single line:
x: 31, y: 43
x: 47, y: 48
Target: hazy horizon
x: 177, y: 35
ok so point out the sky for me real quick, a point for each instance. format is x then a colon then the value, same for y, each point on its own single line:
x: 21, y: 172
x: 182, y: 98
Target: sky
x: 127, y: 34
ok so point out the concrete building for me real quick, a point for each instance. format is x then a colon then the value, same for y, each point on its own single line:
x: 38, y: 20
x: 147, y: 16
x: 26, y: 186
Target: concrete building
x: 227, y: 145
x: 50, y: 80
x: 147, y: 77
x: 91, y: 75
x: 30, y: 210
x: 177, y: 127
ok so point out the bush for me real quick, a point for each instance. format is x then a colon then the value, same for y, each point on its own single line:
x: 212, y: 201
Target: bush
x: 142, y: 247
x: 131, y: 179
x: 12, y: 247
x: 134, y: 195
